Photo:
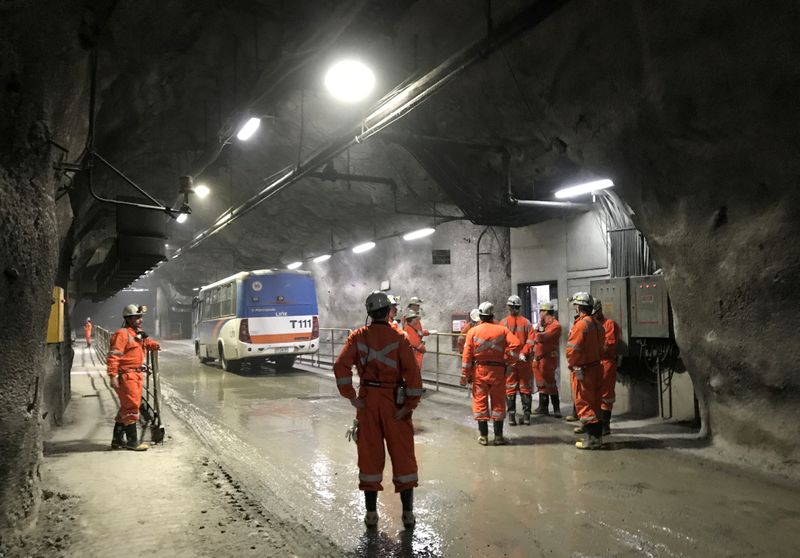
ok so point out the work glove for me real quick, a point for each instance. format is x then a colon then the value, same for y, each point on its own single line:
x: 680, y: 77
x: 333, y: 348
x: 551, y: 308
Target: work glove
x: 352, y: 432
x: 523, y: 358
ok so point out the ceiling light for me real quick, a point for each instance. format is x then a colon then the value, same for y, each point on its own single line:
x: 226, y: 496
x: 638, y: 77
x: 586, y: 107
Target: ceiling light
x: 196, y: 289
x: 421, y: 233
x: 166, y: 246
x: 201, y: 191
x: 349, y: 81
x: 322, y: 258
x: 182, y: 218
x: 585, y: 188
x: 294, y: 265
x: 363, y: 247
x: 249, y: 128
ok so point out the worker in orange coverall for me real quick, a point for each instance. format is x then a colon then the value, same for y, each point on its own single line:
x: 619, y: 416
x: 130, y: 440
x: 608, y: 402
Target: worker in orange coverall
x: 520, y: 377
x: 390, y: 389
x: 583, y: 357
x: 87, y: 330
x: 474, y: 319
x: 391, y: 318
x: 125, y: 367
x: 413, y: 332
x: 545, y: 339
x: 608, y: 359
x: 488, y: 350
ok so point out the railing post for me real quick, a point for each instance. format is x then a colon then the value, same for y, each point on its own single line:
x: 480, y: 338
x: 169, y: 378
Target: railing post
x: 437, y: 362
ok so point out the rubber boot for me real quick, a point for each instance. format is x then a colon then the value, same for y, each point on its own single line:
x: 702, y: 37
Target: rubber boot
x: 527, y: 402
x: 132, y: 436
x: 511, y: 409
x: 371, y: 503
x: 574, y: 416
x: 544, y: 401
x: 594, y: 437
x: 499, y: 439
x: 407, y: 499
x: 483, y: 429
x: 118, y: 441
x: 605, y: 417
x: 556, y: 405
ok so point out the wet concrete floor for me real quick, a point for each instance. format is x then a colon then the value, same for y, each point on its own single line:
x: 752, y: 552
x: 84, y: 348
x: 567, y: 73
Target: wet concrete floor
x: 283, y: 435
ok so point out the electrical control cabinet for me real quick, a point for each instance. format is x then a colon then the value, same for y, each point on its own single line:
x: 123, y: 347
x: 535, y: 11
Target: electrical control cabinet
x: 614, y: 295
x: 649, y: 308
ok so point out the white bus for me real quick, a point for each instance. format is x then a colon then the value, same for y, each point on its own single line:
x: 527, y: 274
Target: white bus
x: 257, y: 316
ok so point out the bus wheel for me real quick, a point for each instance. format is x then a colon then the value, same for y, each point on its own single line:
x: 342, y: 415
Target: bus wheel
x: 284, y: 363
x: 228, y: 365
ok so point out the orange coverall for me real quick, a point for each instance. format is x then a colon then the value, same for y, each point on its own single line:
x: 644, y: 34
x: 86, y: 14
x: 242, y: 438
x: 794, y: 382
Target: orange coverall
x: 415, y: 338
x: 545, y: 355
x: 583, y: 357
x: 521, y: 374
x: 383, y: 357
x: 126, y: 358
x: 87, y: 329
x: 487, y: 351
x: 608, y: 359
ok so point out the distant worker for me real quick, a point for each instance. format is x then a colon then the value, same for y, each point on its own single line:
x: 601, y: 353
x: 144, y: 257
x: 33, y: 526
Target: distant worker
x: 608, y: 359
x: 392, y: 317
x: 87, y: 330
x: 474, y: 319
x: 127, y: 352
x: 545, y: 340
x: 488, y: 350
x: 520, y: 377
x: 583, y: 357
x: 415, y: 304
x: 388, y: 372
x: 414, y: 337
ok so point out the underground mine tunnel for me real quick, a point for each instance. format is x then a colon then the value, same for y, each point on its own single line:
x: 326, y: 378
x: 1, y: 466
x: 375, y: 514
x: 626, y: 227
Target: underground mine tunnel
x: 251, y: 171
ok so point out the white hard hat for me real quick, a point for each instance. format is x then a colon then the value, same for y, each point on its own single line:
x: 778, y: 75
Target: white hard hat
x: 583, y: 299
x: 514, y: 300
x: 411, y: 314
x: 133, y: 310
x: 486, y: 309
x: 546, y: 307
x: 377, y: 300
x: 395, y: 300
x: 475, y: 315
x: 414, y: 300
x: 88, y: 319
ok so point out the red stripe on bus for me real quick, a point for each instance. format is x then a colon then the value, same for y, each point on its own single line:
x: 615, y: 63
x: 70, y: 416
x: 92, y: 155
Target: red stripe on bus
x: 280, y: 338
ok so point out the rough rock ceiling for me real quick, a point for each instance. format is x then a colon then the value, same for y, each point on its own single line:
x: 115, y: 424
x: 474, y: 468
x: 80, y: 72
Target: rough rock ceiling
x: 169, y: 98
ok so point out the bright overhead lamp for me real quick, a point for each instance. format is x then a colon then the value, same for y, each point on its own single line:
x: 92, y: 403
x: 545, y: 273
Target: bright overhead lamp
x: 166, y: 246
x: 196, y: 289
x: 585, y: 188
x: 363, y: 247
x: 420, y: 233
x: 294, y: 265
x: 181, y: 218
x: 249, y: 128
x: 322, y: 258
x: 349, y: 81
x: 201, y: 191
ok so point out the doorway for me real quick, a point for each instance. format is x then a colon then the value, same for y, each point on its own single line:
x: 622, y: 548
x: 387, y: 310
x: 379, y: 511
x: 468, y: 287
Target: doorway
x: 533, y: 294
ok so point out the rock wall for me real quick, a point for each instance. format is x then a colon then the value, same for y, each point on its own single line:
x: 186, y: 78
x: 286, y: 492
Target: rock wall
x: 42, y: 100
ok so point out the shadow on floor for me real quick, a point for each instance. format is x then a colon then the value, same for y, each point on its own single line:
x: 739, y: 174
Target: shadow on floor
x: 73, y: 446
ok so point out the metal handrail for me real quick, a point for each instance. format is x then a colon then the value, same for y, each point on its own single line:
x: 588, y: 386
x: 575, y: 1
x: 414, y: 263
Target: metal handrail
x: 150, y: 407
x: 442, y: 370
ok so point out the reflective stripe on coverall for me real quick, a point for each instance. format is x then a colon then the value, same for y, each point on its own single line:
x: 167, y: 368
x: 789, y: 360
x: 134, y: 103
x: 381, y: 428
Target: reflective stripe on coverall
x: 126, y: 356
x: 608, y: 361
x: 415, y: 338
x: 381, y: 355
x: 583, y: 357
x: 487, y: 350
x: 520, y: 377
x: 545, y: 356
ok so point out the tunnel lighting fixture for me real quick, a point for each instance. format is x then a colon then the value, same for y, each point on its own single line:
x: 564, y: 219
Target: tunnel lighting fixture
x: 201, y: 191
x: 585, y: 188
x: 363, y: 247
x: 182, y: 218
x: 196, y: 289
x: 349, y: 81
x: 420, y: 233
x: 166, y: 246
x: 322, y: 258
x: 294, y: 265
x: 249, y: 128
